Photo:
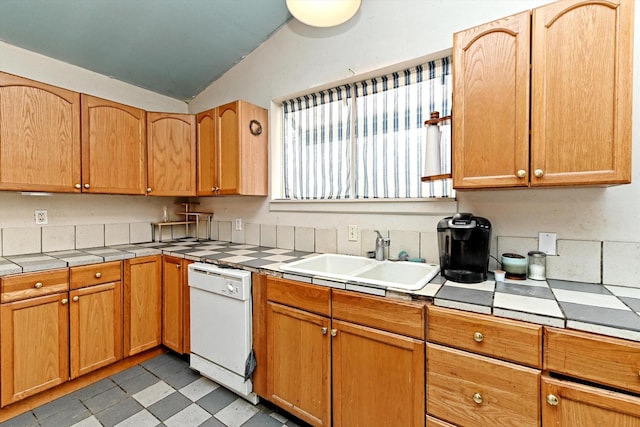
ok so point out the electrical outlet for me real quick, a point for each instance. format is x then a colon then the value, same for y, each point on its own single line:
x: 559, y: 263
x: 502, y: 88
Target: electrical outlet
x: 238, y: 224
x: 41, y: 217
x: 353, y: 233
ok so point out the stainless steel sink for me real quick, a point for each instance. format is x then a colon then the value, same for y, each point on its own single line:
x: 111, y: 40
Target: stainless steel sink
x: 387, y: 274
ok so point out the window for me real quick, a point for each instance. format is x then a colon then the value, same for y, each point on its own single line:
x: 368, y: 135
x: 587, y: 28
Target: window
x: 367, y: 140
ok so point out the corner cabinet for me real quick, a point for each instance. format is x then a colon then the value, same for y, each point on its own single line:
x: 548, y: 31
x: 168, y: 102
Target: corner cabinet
x: 113, y: 134
x: 171, y: 149
x: 35, y: 118
x: 233, y: 150
x: 578, y: 128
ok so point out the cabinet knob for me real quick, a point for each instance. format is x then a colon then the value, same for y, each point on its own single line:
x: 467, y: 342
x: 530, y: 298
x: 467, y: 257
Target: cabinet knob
x: 148, y: 189
x: 552, y: 400
x: 38, y: 285
x: 477, y: 397
x: 98, y: 275
x: 76, y: 298
x: 324, y: 331
x: 478, y: 337
x: 334, y: 332
x: 521, y: 173
x: 78, y: 186
x: 64, y: 301
x: 538, y: 173
x: 87, y: 186
x: 178, y: 266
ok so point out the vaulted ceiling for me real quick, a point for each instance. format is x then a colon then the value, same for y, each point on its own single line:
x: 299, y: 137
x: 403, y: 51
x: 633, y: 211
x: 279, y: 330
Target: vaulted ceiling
x: 172, y: 47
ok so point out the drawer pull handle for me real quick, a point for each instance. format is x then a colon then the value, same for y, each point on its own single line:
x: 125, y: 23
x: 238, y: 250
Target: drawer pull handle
x: 64, y: 301
x: 38, y: 285
x: 334, y: 332
x: 324, y: 331
x: 98, y: 275
x: 76, y: 298
x: 552, y: 400
x: 478, y: 337
x: 477, y: 397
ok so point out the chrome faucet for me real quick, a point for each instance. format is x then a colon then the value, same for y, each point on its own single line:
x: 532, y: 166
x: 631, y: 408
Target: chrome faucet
x: 381, y: 243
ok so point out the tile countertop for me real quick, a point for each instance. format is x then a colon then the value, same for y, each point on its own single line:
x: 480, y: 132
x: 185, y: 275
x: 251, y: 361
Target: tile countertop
x: 604, y: 309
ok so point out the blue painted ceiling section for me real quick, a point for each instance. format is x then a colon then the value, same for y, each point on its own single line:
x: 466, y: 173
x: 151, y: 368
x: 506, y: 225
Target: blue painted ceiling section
x: 173, y: 47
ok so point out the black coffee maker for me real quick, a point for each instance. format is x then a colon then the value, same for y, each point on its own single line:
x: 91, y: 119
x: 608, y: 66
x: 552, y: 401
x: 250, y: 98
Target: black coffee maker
x: 463, y: 241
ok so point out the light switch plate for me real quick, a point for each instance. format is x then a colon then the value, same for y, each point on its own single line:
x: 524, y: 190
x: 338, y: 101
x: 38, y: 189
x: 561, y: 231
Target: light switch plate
x: 547, y: 243
x: 238, y: 224
x: 353, y: 233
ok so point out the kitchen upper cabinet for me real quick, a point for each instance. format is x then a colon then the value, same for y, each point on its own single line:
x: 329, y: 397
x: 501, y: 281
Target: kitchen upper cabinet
x: 113, y: 147
x: 491, y: 99
x: 39, y: 136
x: 578, y: 128
x: 142, y: 304
x: 566, y: 403
x: 171, y: 149
x: 232, y: 150
x: 582, y: 61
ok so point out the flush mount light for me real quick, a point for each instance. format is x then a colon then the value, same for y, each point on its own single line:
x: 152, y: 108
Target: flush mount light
x: 323, y: 13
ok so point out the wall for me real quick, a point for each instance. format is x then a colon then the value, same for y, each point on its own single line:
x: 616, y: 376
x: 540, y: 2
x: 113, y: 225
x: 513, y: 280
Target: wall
x: 299, y: 58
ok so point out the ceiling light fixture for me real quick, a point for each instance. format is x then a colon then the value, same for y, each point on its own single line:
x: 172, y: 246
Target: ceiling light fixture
x: 323, y: 13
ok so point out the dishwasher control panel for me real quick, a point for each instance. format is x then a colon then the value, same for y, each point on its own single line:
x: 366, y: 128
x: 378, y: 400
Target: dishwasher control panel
x: 229, y: 282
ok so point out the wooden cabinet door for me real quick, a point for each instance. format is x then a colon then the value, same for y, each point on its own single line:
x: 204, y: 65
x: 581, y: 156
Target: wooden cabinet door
x: 171, y: 147
x: 299, y: 363
x: 228, y: 147
x: 172, y: 303
x: 207, y: 157
x: 142, y: 304
x: 113, y: 147
x: 570, y: 404
x: 33, y: 358
x: 95, y: 327
x: 378, y: 378
x: 581, y: 81
x: 491, y: 104
x: 39, y: 136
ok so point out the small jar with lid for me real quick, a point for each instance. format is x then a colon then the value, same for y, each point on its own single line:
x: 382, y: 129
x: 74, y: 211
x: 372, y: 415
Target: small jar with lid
x: 537, y: 265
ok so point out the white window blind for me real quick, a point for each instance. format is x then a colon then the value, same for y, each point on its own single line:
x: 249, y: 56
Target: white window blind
x: 366, y: 140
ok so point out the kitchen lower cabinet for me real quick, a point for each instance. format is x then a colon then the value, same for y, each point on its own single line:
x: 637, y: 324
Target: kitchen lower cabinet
x: 34, y: 333
x: 475, y: 372
x: 142, y: 304
x: 567, y: 403
x: 35, y: 346
x: 95, y: 313
x: 299, y: 363
x: 175, y: 304
x: 378, y: 377
x: 343, y: 358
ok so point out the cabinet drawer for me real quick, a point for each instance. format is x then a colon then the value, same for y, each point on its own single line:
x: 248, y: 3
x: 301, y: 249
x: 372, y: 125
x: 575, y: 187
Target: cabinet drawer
x: 313, y: 298
x: 402, y: 317
x: 95, y: 274
x: 605, y: 360
x: 31, y: 285
x: 471, y: 390
x: 506, y: 339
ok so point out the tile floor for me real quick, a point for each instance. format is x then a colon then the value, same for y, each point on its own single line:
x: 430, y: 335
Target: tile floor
x: 162, y: 391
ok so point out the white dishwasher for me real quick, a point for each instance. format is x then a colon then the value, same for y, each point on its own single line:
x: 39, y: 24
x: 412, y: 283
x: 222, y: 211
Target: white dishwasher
x: 221, y: 326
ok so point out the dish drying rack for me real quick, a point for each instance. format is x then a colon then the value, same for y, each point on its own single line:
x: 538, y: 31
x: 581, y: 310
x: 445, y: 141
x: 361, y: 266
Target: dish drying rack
x: 191, y: 217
